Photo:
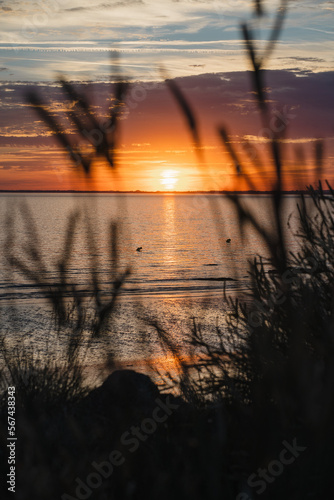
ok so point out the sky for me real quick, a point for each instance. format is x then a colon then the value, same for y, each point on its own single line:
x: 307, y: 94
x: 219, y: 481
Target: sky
x: 198, y: 43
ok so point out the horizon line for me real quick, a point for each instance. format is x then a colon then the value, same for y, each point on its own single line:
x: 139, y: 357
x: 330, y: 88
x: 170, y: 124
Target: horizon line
x: 137, y: 191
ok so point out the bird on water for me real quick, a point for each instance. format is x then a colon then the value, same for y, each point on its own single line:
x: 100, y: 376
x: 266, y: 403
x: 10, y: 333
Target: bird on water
x: 228, y: 240
x: 139, y: 249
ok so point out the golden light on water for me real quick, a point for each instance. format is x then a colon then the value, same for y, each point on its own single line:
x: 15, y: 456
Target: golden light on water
x: 169, y: 178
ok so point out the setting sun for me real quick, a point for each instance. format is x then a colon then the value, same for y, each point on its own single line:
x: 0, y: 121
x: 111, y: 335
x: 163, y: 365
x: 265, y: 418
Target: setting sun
x: 169, y: 178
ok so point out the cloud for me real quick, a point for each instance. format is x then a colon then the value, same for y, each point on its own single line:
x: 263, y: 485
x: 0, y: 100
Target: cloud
x: 77, y: 9
x: 305, y: 59
x: 108, y: 5
x: 183, y: 35
x: 216, y: 99
x: 320, y: 30
x: 300, y: 140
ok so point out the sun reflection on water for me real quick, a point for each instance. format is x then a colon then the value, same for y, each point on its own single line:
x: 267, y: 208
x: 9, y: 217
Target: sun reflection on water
x: 169, y: 230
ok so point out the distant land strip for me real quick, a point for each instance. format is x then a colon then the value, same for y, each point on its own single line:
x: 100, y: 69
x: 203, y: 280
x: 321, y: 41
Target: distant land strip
x: 298, y: 191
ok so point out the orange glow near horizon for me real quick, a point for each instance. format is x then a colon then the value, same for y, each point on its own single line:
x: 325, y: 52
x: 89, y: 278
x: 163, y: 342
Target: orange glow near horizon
x: 47, y: 174
x: 143, y: 168
x: 147, y: 169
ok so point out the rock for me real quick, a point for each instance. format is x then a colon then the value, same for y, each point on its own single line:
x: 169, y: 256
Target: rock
x: 125, y: 394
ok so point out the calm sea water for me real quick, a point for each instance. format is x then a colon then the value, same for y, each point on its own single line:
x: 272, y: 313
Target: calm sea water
x: 178, y: 275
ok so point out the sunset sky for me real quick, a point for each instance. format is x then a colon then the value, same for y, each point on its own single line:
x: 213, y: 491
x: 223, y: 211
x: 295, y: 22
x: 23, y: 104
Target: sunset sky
x: 197, y: 42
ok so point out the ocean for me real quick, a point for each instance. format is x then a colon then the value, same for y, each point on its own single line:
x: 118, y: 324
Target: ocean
x: 177, y: 277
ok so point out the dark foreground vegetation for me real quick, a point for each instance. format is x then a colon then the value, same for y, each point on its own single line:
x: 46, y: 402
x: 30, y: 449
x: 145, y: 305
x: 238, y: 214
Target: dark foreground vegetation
x: 254, y: 411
